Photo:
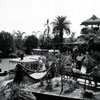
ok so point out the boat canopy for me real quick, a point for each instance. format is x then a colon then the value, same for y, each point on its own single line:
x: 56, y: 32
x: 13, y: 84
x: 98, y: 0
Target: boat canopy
x: 27, y: 59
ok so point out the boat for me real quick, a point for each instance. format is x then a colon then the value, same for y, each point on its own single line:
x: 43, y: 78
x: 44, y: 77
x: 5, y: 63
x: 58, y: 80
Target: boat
x: 21, y: 75
x: 29, y: 62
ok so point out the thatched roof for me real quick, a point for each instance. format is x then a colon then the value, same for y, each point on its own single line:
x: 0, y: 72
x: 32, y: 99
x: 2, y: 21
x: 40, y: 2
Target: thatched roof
x: 92, y: 21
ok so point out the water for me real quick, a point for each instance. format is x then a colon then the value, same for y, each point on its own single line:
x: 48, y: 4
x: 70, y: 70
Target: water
x: 5, y: 65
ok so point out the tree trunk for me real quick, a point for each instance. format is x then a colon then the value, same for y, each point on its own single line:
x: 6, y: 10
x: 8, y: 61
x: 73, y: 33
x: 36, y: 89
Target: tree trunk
x: 61, y: 40
x: 61, y: 36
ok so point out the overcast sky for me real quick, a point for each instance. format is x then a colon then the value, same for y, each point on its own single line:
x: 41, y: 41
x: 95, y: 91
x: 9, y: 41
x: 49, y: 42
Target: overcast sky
x: 31, y: 15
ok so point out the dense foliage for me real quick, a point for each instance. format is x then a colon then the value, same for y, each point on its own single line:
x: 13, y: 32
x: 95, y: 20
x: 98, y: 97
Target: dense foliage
x: 45, y: 41
x: 15, y: 92
x: 30, y: 43
x: 18, y: 38
x: 6, y: 43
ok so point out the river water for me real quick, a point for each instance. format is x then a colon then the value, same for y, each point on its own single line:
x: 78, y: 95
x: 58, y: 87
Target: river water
x: 5, y: 65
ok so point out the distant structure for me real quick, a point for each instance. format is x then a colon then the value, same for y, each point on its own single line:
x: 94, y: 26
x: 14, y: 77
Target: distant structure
x: 91, y: 25
x: 91, y: 31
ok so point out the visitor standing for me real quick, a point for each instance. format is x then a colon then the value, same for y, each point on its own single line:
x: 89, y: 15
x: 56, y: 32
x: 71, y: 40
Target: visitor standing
x: 40, y: 63
x: 79, y: 60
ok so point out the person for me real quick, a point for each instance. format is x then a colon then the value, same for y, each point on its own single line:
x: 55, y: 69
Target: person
x: 88, y: 62
x: 58, y: 61
x: 19, y: 74
x: 44, y: 63
x: 96, y: 74
x: 41, y: 64
x: 75, y: 70
x: 68, y: 58
x: 79, y: 60
x: 22, y: 56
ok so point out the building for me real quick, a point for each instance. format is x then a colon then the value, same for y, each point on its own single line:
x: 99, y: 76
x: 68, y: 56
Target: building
x: 91, y: 25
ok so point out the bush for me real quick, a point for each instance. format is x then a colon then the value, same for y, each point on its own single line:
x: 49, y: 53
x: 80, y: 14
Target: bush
x: 96, y: 55
x: 6, y: 44
x: 30, y: 43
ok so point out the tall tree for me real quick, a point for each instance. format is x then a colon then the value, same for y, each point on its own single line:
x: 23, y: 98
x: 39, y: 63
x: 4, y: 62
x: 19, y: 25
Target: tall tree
x: 6, y: 43
x: 60, y: 25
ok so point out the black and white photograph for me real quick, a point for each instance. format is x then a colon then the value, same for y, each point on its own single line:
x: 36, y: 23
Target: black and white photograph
x: 49, y: 49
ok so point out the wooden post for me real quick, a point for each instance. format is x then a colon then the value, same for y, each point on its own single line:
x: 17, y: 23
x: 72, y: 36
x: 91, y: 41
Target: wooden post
x: 61, y: 84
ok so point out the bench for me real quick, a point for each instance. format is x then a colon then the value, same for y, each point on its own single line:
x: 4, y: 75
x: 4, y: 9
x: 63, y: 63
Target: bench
x: 81, y: 76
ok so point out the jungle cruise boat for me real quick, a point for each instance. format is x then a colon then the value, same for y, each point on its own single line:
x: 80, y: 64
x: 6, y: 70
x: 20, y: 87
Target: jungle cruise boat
x: 29, y: 62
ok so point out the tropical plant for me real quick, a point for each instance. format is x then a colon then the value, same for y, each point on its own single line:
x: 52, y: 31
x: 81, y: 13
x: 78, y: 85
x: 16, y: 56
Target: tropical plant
x: 72, y: 37
x: 36, y: 32
x: 86, y: 37
x: 47, y: 30
x: 16, y: 92
x: 60, y: 25
x: 45, y: 42
x: 18, y: 34
x: 18, y: 39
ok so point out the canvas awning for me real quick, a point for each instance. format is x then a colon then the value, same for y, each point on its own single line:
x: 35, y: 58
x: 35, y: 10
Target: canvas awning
x: 92, y: 21
x: 28, y: 59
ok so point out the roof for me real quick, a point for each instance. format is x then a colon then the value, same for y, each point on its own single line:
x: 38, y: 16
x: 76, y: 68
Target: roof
x: 27, y: 59
x: 92, y: 21
x: 53, y: 51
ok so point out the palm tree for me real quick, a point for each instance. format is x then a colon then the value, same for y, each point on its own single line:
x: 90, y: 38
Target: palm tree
x: 19, y: 34
x: 18, y: 38
x: 60, y: 25
x: 36, y: 32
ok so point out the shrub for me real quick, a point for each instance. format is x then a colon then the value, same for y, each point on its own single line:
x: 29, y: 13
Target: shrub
x: 96, y: 55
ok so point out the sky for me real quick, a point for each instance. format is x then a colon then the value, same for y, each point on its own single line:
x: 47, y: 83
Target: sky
x: 31, y: 15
